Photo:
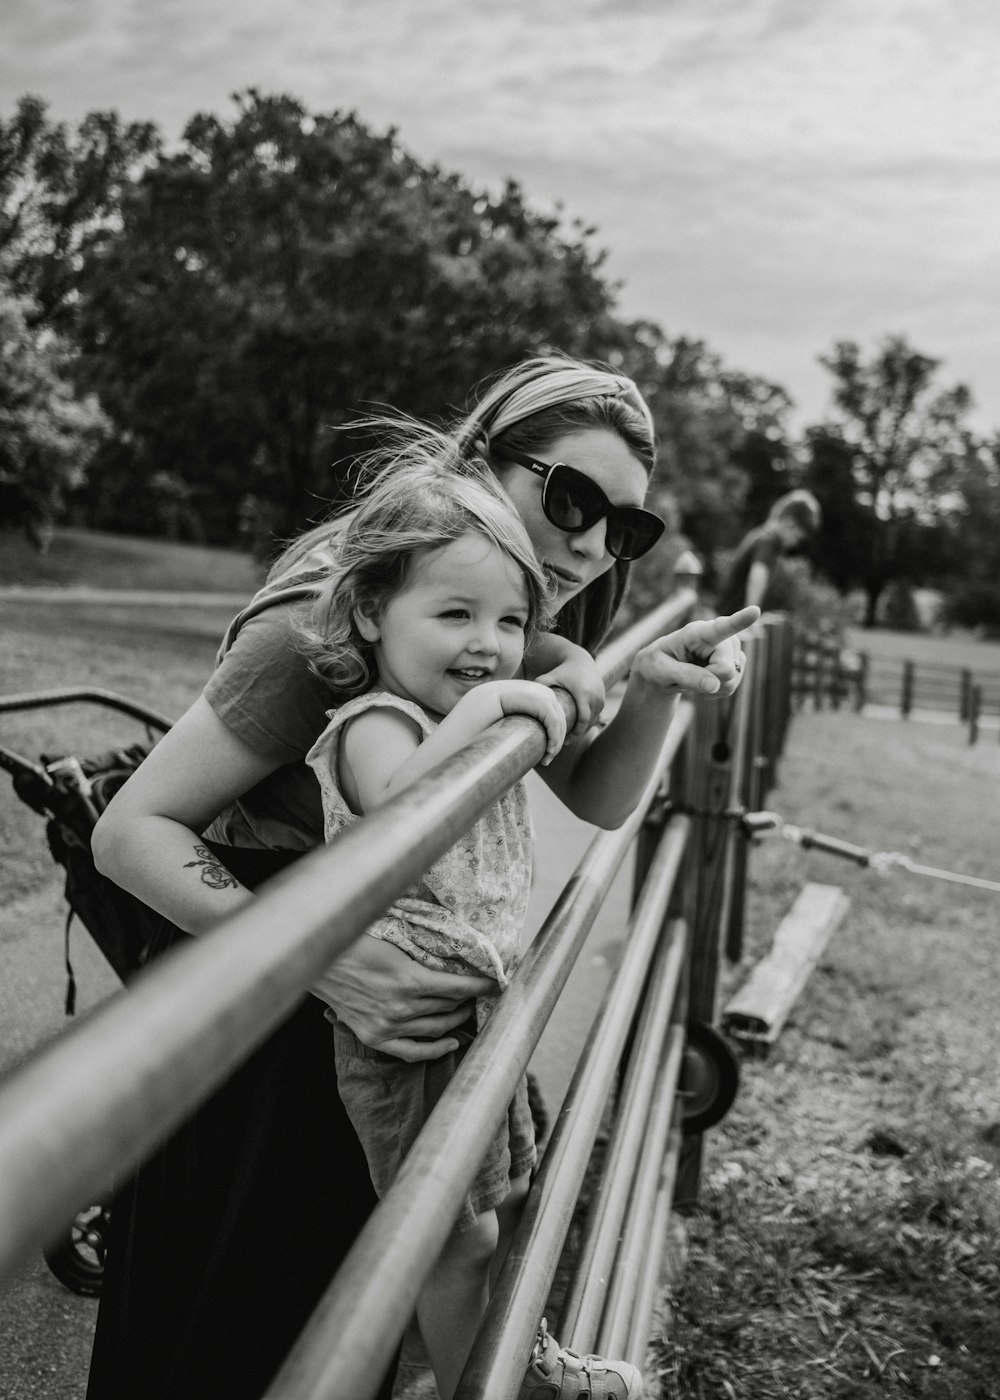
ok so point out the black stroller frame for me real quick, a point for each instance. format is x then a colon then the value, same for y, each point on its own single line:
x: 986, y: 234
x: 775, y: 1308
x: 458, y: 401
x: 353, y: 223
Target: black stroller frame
x: 70, y: 793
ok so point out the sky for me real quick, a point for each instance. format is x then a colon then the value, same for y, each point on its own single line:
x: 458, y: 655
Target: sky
x: 769, y: 176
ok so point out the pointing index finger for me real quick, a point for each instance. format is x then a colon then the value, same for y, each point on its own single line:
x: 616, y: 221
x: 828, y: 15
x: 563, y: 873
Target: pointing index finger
x: 720, y: 629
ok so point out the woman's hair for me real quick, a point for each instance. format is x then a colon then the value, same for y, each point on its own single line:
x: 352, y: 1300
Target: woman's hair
x: 526, y: 409
x: 418, y: 494
x: 532, y: 405
x: 801, y: 507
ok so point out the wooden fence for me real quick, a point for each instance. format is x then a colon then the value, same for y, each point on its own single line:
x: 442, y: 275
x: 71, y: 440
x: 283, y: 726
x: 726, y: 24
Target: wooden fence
x: 827, y: 676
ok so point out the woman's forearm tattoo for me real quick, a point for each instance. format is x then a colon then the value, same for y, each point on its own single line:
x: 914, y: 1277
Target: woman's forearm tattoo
x: 213, y: 873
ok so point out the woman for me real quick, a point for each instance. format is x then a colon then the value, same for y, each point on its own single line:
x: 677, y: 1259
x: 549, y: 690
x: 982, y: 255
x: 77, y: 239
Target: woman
x: 223, y: 1243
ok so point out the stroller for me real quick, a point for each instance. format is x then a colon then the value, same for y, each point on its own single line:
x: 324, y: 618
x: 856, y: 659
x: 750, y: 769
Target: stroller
x: 70, y: 793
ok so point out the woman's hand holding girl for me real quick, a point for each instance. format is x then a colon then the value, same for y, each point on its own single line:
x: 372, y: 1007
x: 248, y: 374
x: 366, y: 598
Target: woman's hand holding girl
x: 397, y: 1005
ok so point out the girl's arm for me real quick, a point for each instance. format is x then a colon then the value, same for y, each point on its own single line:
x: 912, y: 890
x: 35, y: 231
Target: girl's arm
x: 382, y: 750
x: 602, y: 779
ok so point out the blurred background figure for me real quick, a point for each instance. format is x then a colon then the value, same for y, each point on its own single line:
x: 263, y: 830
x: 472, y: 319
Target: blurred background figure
x: 755, y: 571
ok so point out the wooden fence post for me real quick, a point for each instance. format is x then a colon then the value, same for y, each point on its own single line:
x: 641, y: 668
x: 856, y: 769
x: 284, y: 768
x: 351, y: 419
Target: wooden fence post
x: 747, y: 783
x: 702, y: 781
x: 906, y: 694
x: 861, y: 686
x: 975, y: 706
x: 964, y: 693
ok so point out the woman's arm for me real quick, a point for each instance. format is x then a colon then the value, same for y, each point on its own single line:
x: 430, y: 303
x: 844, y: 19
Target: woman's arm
x: 757, y: 581
x: 147, y: 839
x: 147, y: 842
x: 602, y: 779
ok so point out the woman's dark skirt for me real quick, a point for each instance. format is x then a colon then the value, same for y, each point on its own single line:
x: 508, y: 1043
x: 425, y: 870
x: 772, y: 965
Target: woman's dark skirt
x: 223, y: 1242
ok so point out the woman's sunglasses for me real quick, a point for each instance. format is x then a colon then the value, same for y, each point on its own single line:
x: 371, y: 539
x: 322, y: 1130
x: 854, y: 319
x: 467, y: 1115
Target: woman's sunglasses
x: 572, y: 502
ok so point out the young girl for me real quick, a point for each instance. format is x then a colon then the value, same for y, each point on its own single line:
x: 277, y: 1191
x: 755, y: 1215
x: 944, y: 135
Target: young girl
x: 424, y: 623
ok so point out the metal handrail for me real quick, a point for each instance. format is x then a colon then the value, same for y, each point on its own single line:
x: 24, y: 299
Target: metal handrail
x: 97, y: 1100
x: 497, y: 1364
x: 364, y: 1312
x: 580, y: 1315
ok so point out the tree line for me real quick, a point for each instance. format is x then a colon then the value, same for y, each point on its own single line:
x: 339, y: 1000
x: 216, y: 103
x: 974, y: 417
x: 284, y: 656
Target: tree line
x: 187, y: 332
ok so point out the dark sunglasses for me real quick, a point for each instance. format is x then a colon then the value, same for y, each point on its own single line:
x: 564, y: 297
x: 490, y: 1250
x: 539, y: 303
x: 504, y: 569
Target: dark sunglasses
x: 572, y: 502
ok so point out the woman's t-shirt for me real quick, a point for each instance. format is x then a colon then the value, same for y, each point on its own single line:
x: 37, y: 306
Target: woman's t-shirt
x: 264, y: 691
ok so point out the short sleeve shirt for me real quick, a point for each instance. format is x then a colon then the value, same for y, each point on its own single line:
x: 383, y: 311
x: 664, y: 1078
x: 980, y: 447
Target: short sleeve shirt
x: 264, y: 691
x: 468, y: 912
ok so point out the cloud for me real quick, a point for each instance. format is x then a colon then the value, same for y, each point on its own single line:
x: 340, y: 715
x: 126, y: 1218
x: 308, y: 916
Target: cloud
x: 766, y: 173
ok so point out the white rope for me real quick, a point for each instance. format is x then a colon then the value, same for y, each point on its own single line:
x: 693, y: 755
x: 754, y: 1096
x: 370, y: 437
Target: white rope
x: 884, y: 860
x: 758, y: 823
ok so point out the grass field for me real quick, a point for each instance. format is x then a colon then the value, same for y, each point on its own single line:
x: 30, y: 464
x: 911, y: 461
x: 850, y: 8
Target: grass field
x: 89, y: 558
x: 847, y: 1241
x: 957, y: 649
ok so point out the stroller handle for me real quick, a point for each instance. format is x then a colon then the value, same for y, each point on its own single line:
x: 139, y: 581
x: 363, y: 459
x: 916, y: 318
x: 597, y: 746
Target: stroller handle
x: 40, y: 699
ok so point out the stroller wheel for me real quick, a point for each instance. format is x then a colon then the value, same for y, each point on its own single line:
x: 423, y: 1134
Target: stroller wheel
x: 77, y: 1257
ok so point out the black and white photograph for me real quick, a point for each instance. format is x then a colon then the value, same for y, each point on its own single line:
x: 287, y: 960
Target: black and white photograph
x: 499, y: 700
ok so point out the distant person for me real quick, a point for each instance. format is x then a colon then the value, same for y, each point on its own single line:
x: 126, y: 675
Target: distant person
x: 224, y: 1241
x: 754, y: 576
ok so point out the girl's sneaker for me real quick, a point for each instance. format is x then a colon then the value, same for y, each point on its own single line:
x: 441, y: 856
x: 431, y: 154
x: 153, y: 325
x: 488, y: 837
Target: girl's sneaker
x: 557, y: 1374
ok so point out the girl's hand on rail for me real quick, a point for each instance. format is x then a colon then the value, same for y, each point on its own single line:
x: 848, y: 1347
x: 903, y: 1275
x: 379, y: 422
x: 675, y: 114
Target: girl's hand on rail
x: 492, y: 700
x: 396, y: 1005
x: 702, y: 658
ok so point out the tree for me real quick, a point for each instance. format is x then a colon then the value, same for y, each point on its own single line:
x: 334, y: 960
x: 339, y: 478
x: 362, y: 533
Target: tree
x: 973, y: 595
x: 58, y: 190
x: 723, y: 450
x: 47, y: 434
x: 899, y: 439
x: 282, y: 271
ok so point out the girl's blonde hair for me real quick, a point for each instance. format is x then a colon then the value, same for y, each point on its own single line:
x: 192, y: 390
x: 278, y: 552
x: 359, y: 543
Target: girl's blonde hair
x: 526, y: 408
x: 418, y: 493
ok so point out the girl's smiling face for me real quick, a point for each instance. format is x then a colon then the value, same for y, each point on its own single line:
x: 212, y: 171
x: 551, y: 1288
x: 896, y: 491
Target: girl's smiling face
x: 574, y: 561
x: 458, y: 621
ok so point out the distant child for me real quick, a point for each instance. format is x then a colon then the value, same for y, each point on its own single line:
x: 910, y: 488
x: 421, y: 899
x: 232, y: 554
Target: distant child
x: 754, y: 575
x: 424, y: 624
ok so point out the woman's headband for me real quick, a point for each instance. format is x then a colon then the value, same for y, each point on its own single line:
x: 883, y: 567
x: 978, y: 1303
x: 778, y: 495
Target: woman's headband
x: 552, y: 387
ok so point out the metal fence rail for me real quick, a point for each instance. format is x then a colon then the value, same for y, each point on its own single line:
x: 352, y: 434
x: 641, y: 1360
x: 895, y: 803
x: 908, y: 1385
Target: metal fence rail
x: 96, y: 1101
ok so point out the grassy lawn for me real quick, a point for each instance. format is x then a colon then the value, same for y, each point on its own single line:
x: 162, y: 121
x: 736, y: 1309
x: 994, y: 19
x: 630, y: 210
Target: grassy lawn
x: 957, y: 649
x: 89, y: 558
x: 847, y: 1241
x: 46, y: 647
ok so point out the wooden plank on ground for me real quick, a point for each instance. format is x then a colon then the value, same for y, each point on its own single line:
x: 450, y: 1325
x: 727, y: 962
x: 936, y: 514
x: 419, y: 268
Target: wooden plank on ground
x: 755, y: 1015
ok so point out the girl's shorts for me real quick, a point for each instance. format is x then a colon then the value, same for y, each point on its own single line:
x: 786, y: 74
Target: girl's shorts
x: 389, y: 1100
